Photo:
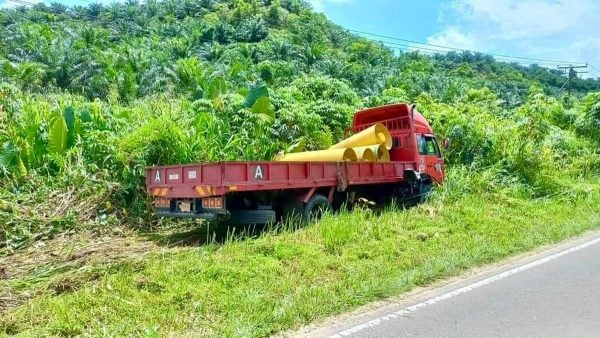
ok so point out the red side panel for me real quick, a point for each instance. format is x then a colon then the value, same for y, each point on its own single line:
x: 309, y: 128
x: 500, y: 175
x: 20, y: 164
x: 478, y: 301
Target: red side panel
x: 216, y: 179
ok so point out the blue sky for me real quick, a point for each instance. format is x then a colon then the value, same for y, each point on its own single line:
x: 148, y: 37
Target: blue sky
x: 8, y: 3
x: 562, y: 30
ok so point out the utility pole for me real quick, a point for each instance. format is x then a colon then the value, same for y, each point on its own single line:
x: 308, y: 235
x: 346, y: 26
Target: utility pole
x: 572, y: 73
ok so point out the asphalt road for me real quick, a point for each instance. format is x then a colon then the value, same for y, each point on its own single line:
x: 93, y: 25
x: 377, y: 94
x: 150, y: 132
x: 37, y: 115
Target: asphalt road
x: 553, y: 294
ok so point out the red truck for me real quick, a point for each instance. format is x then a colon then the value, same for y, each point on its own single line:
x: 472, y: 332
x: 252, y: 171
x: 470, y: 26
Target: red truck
x: 252, y: 192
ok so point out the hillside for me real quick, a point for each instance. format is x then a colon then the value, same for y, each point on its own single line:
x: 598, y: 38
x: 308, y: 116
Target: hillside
x: 131, y: 50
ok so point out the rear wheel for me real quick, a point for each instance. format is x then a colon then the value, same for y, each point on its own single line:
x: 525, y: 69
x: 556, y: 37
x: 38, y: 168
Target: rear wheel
x: 243, y: 217
x: 316, y: 206
x: 293, y: 211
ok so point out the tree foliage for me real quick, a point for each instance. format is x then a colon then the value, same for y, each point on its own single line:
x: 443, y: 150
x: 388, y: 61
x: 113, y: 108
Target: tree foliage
x: 92, y: 95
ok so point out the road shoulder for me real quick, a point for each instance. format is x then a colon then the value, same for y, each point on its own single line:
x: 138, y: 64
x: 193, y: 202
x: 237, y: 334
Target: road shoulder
x: 381, y: 310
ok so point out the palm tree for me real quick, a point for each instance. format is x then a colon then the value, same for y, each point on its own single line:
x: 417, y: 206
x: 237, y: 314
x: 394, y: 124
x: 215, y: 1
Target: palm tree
x: 32, y: 75
x: 94, y: 10
x: 222, y: 33
x: 283, y: 50
x: 252, y: 31
x: 312, y: 53
x: 332, y: 67
x: 336, y: 36
x: 211, y: 52
x: 58, y: 8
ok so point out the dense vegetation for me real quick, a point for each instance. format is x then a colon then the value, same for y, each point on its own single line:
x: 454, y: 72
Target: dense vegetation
x: 90, y: 96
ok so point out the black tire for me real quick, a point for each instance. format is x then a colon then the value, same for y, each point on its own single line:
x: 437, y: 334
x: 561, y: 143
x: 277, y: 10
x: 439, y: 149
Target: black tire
x: 243, y: 217
x: 425, y: 192
x: 316, y: 206
x: 419, y: 195
x: 293, y: 211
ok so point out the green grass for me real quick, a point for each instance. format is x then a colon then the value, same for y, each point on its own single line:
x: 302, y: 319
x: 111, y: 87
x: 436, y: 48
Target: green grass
x: 285, y: 279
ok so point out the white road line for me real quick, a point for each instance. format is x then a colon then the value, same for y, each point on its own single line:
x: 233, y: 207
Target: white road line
x: 468, y: 288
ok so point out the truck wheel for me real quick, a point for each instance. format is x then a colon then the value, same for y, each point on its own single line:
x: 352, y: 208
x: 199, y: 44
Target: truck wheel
x: 425, y: 192
x: 418, y: 196
x: 316, y: 207
x: 243, y: 217
x: 293, y: 211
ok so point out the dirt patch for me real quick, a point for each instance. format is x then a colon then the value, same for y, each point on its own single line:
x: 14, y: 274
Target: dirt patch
x: 62, y: 254
x: 78, y: 249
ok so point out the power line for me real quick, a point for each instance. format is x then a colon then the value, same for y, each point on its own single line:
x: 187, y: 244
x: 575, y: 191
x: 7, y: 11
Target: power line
x: 431, y: 51
x: 465, y: 50
x: 563, y: 86
x: 594, y: 67
x: 591, y: 65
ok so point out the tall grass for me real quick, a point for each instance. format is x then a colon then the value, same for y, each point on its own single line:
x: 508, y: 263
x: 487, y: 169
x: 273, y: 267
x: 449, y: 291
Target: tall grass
x: 291, y: 276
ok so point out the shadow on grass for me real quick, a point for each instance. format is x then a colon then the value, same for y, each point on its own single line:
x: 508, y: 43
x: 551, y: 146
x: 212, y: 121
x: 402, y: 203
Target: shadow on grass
x: 194, y: 233
x: 179, y: 232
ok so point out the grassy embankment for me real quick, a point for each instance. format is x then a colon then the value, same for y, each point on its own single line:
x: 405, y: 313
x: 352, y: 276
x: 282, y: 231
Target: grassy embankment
x: 282, y: 280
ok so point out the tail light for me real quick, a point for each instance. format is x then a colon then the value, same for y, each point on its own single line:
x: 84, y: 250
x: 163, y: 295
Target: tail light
x: 161, y: 202
x: 213, y: 203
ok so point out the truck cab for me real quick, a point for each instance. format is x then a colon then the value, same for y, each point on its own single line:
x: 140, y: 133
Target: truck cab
x: 413, y: 137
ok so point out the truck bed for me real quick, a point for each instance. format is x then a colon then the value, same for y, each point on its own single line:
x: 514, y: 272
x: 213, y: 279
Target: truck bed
x: 219, y: 178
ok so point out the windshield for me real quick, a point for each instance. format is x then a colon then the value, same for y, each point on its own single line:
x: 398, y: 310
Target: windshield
x: 428, y: 145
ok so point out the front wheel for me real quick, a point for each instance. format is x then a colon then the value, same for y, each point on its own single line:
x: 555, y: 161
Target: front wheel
x: 415, y: 195
x: 425, y: 192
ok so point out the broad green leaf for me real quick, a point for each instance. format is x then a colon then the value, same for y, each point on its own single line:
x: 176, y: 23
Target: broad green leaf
x: 69, y: 116
x: 237, y: 68
x: 263, y: 106
x: 298, y: 146
x: 255, y: 93
x: 57, y: 137
x: 79, y: 128
x: 21, y: 166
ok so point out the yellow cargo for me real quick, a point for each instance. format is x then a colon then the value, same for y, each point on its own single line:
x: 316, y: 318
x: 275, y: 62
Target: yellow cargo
x: 347, y: 154
x: 379, y: 151
x: 365, y: 154
x: 376, y: 134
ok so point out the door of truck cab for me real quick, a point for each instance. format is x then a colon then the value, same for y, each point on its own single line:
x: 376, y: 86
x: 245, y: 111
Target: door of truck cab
x: 430, y: 157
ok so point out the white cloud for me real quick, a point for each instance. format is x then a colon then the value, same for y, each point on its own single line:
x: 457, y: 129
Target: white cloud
x: 513, y: 19
x: 319, y: 5
x: 13, y: 4
x: 544, y: 29
x: 453, y: 37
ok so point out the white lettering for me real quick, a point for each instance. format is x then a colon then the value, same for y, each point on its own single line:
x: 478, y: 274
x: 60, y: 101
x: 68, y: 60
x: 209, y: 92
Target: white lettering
x: 157, y: 176
x: 258, y: 173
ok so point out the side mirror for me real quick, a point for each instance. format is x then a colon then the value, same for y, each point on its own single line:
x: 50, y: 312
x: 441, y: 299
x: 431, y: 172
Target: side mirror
x: 446, y: 143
